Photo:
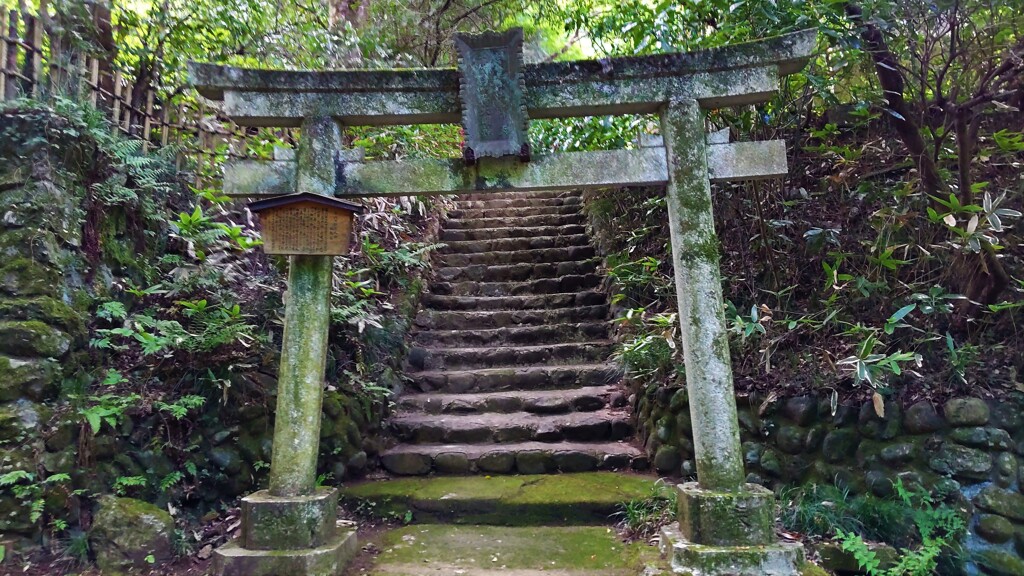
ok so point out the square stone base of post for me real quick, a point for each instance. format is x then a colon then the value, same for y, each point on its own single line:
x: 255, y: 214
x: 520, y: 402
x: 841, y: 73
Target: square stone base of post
x: 745, y: 517
x: 327, y: 560
x: 689, y: 559
x: 288, y: 522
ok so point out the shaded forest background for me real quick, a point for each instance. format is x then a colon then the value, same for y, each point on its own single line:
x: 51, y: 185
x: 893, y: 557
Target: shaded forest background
x: 887, y: 264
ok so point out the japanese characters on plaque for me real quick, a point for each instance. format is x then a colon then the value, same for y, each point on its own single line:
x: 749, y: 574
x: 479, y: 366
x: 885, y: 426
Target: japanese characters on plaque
x: 306, y: 228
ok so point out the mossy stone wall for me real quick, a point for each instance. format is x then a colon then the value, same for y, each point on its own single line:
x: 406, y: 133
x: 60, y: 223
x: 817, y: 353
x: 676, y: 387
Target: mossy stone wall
x: 41, y: 326
x: 51, y: 279
x: 969, y: 450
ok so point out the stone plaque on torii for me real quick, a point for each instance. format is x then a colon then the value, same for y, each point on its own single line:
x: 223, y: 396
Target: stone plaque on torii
x: 725, y: 526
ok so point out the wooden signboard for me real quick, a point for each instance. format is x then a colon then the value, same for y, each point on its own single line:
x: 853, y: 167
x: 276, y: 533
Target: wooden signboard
x: 306, y: 224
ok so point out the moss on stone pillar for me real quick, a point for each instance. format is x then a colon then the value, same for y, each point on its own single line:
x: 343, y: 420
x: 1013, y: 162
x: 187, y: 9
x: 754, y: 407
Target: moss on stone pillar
x: 698, y: 280
x: 307, y: 315
x: 300, y: 382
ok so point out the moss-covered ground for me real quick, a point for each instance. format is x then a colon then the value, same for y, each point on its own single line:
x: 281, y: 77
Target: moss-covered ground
x: 475, y: 550
x: 559, y: 499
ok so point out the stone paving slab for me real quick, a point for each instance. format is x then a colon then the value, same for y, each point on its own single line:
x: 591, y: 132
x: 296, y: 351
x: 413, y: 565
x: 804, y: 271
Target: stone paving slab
x: 524, y: 500
x: 432, y: 549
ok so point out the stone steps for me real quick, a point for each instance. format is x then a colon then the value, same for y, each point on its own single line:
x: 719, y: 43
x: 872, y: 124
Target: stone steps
x: 496, y: 357
x: 487, y: 319
x: 498, y: 257
x: 522, y: 500
x: 510, y: 353
x: 534, y: 402
x: 511, y: 244
x: 528, y: 301
x: 504, y: 219
x: 602, y: 425
x: 465, y: 215
x: 542, y: 194
x: 567, y: 283
x: 511, y: 232
x: 517, y: 202
x: 520, y: 272
x: 521, y: 458
x: 520, y: 334
x: 516, y: 378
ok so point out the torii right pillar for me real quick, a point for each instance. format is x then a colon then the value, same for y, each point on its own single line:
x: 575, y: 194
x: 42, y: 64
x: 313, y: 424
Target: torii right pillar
x: 726, y: 526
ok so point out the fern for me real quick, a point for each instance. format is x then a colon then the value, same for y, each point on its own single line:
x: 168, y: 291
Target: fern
x: 866, y: 558
x: 170, y: 480
x: 123, y: 483
x: 938, y: 526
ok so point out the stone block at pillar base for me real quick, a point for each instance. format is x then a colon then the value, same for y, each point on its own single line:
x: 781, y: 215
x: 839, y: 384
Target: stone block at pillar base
x: 745, y: 517
x: 288, y: 522
x: 327, y: 560
x: 689, y: 559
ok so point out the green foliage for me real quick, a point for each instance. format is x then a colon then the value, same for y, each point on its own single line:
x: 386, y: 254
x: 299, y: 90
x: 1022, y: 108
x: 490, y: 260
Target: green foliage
x: 108, y: 409
x: 939, y: 529
x: 30, y: 490
x: 637, y: 280
x: 169, y: 481
x: 745, y: 327
x: 208, y: 328
x: 641, y: 518
x: 77, y: 549
x: 909, y: 519
x: 650, y: 349
x: 982, y: 224
x: 1009, y: 142
x: 874, y: 368
x: 181, y: 543
x: 392, y: 268
x: 180, y: 407
x: 123, y: 484
x: 819, y: 510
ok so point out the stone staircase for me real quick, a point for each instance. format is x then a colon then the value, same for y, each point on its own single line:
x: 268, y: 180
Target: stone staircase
x: 510, y: 360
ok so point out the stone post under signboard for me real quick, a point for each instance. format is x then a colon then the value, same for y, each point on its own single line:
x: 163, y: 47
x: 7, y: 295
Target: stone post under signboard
x: 291, y: 529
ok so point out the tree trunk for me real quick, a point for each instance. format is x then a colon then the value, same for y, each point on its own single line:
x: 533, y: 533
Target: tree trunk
x: 981, y: 278
x: 106, y: 52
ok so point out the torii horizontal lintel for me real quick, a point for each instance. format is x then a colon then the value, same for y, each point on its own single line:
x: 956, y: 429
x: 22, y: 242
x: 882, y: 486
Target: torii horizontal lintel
x: 731, y: 75
x: 560, y: 171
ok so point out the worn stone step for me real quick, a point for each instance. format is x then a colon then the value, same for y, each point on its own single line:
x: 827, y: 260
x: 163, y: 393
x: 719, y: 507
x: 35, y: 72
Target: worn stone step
x: 568, y: 283
x: 539, y: 194
x: 535, y: 301
x: 493, y: 357
x: 516, y: 378
x: 523, y: 334
x: 598, y: 426
x: 515, y: 212
x: 511, y: 232
x: 499, y: 257
x: 479, y: 319
x: 534, y: 401
x: 525, y: 500
x: 517, y: 202
x: 506, y: 244
x: 560, y: 541
x: 515, y: 272
x: 516, y: 221
x: 521, y: 457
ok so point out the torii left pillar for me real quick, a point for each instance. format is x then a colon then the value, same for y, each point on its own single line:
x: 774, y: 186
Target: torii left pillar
x: 290, y: 529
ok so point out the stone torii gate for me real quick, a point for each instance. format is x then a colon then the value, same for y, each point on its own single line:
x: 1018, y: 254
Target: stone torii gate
x: 725, y: 526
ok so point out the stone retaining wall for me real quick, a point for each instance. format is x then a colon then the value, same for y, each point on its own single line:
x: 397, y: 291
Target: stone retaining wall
x: 49, y: 286
x: 969, y: 448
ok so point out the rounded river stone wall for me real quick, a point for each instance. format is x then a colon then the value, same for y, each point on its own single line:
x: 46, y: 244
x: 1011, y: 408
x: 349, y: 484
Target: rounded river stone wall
x: 967, y: 448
